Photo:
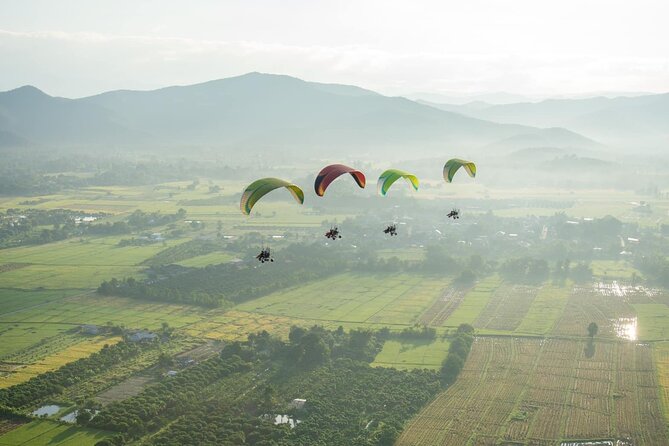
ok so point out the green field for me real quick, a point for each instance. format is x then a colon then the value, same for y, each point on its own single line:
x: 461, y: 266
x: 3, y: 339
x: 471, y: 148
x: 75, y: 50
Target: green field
x: 15, y: 337
x: 382, y: 300
x: 611, y: 269
x: 94, y: 309
x: 75, y: 263
x: 47, y: 433
x: 15, y: 300
x: 653, y: 321
x: 213, y: 258
x: 474, y: 302
x: 545, y: 310
x: 412, y: 354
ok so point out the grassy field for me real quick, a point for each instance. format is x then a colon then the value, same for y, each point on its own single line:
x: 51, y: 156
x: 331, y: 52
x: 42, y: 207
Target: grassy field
x: 15, y: 337
x: 75, y: 264
x: 653, y: 321
x: 15, y: 300
x: 543, y: 391
x: 412, y: 354
x: 611, y: 269
x: 213, y: 258
x: 49, y: 433
x: 545, y: 310
x: 381, y: 300
x: 94, y: 309
x: 43, y: 325
x: 474, y: 302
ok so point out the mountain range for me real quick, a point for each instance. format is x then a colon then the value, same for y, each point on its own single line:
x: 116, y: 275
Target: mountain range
x: 259, y: 112
x: 640, y: 121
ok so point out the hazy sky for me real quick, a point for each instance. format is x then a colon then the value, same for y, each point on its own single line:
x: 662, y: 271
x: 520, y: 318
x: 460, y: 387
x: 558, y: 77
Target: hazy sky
x: 537, y: 47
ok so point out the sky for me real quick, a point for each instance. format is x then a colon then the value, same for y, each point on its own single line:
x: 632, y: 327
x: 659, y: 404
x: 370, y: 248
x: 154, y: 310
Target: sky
x: 75, y: 48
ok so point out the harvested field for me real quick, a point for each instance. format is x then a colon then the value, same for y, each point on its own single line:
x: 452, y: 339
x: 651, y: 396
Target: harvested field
x: 475, y: 300
x: 507, y: 307
x: 443, y: 307
x: 541, y: 391
x: 8, y: 425
x: 130, y: 387
x: 662, y: 364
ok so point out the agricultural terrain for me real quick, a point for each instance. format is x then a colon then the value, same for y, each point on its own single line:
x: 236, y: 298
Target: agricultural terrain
x: 533, y: 376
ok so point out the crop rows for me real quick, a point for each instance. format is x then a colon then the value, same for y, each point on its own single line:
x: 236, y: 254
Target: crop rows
x: 585, y: 306
x: 507, y: 308
x: 443, y: 307
x: 540, y: 391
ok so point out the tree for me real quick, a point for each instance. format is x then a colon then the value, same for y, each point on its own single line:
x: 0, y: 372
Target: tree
x: 592, y: 329
x: 581, y: 273
x: 83, y: 416
x: 466, y: 278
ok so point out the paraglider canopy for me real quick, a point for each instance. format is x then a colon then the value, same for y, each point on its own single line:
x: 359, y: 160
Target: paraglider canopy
x: 388, y: 177
x: 452, y: 166
x: 259, y: 188
x: 329, y: 173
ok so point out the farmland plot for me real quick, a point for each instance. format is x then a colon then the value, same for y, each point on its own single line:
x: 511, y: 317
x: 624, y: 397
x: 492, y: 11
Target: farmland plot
x: 586, y: 305
x: 44, y: 432
x: 383, y: 300
x: 545, y: 310
x: 474, y: 302
x: 57, y: 358
x: 419, y: 354
x: 507, y: 307
x: 662, y: 361
x: 542, y: 391
x: 443, y: 307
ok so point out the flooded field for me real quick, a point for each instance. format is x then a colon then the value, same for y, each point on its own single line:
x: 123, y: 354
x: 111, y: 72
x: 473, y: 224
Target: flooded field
x: 626, y: 328
x: 617, y: 289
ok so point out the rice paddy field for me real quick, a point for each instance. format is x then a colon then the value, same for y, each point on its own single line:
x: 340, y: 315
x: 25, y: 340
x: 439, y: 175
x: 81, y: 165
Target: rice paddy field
x: 384, y: 300
x: 21, y: 373
x: 541, y: 392
x: 421, y: 354
x: 44, y: 433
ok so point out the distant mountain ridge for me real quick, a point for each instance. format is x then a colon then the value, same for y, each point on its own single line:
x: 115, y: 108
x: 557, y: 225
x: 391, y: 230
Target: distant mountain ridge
x: 257, y: 112
x: 636, y: 120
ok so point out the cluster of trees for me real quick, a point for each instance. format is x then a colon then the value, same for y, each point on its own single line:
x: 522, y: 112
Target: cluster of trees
x: 213, y: 423
x: 655, y: 268
x: 216, y: 285
x: 54, y: 382
x: 137, y: 221
x: 348, y: 402
x: 308, y: 348
x: 160, y: 403
x: 525, y: 270
x: 579, y: 273
x: 26, y: 227
x: 458, y: 351
x: 420, y: 332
